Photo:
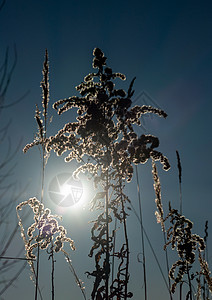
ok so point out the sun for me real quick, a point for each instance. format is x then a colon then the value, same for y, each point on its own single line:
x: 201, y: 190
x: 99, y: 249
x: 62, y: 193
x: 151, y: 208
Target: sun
x: 65, y: 191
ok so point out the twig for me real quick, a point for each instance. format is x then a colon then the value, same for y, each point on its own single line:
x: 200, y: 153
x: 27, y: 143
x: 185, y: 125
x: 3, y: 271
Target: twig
x: 142, y: 234
x: 16, y: 258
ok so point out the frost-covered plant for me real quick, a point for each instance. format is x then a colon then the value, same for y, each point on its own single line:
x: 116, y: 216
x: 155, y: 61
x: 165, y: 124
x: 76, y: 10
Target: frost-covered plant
x: 104, y: 127
x: 180, y: 236
x: 45, y: 232
x: 103, y: 139
x: 41, y: 118
x: 189, y: 246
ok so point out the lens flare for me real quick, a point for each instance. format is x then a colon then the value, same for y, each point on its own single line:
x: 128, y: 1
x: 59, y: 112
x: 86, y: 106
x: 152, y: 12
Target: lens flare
x: 64, y: 190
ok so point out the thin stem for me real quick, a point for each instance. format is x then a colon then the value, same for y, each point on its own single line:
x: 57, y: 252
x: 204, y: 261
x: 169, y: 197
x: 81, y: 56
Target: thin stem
x: 151, y: 247
x: 114, y: 249
x: 42, y: 192
x: 142, y: 234
x: 78, y: 281
x: 37, y: 273
x: 52, y: 277
x: 107, y: 266
x: 127, y: 246
x: 167, y: 264
x: 43, y: 172
x: 181, y: 289
x: 189, y: 281
x: 16, y: 258
x: 158, y: 200
x: 181, y: 201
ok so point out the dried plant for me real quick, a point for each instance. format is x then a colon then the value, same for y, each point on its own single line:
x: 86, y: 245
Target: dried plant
x: 45, y: 233
x: 179, y: 235
x: 104, y: 141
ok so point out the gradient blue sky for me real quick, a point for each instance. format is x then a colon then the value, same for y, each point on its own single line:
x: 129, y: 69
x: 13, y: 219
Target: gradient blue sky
x: 167, y: 45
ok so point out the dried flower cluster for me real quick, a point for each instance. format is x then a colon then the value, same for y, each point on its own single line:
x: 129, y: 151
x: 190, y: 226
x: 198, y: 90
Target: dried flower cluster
x: 44, y: 230
x: 104, y: 127
x: 104, y: 141
x: 205, y: 271
x: 157, y: 187
x: 42, y: 123
x: 180, y: 236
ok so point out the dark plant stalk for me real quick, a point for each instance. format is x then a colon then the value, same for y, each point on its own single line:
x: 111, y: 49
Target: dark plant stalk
x: 167, y: 263
x: 15, y: 258
x: 114, y: 248
x: 181, y: 211
x: 205, y: 256
x: 107, y: 261
x: 127, y: 247
x: 52, y: 277
x: 37, y: 273
x: 189, y: 281
x: 181, y: 289
x: 142, y: 234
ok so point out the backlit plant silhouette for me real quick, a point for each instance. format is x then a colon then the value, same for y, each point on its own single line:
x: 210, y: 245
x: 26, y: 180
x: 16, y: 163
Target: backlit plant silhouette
x: 104, y: 141
x: 45, y: 233
x: 179, y: 235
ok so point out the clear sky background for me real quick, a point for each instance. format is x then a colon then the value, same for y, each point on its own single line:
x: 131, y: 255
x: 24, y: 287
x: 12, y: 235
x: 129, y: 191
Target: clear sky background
x: 167, y: 45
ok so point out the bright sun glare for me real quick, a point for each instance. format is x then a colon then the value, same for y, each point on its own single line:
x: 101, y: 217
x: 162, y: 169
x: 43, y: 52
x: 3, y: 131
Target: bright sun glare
x: 65, y: 191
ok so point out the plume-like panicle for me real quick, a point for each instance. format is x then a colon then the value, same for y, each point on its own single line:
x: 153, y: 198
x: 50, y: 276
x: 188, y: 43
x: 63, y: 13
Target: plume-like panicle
x: 159, y: 213
x: 45, y: 85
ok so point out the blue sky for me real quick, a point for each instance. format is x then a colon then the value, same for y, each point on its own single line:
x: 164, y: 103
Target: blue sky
x: 167, y: 45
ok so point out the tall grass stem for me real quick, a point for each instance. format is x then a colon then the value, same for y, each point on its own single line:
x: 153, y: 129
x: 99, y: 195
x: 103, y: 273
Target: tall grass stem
x: 52, y: 273
x: 107, y: 266
x: 142, y: 234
